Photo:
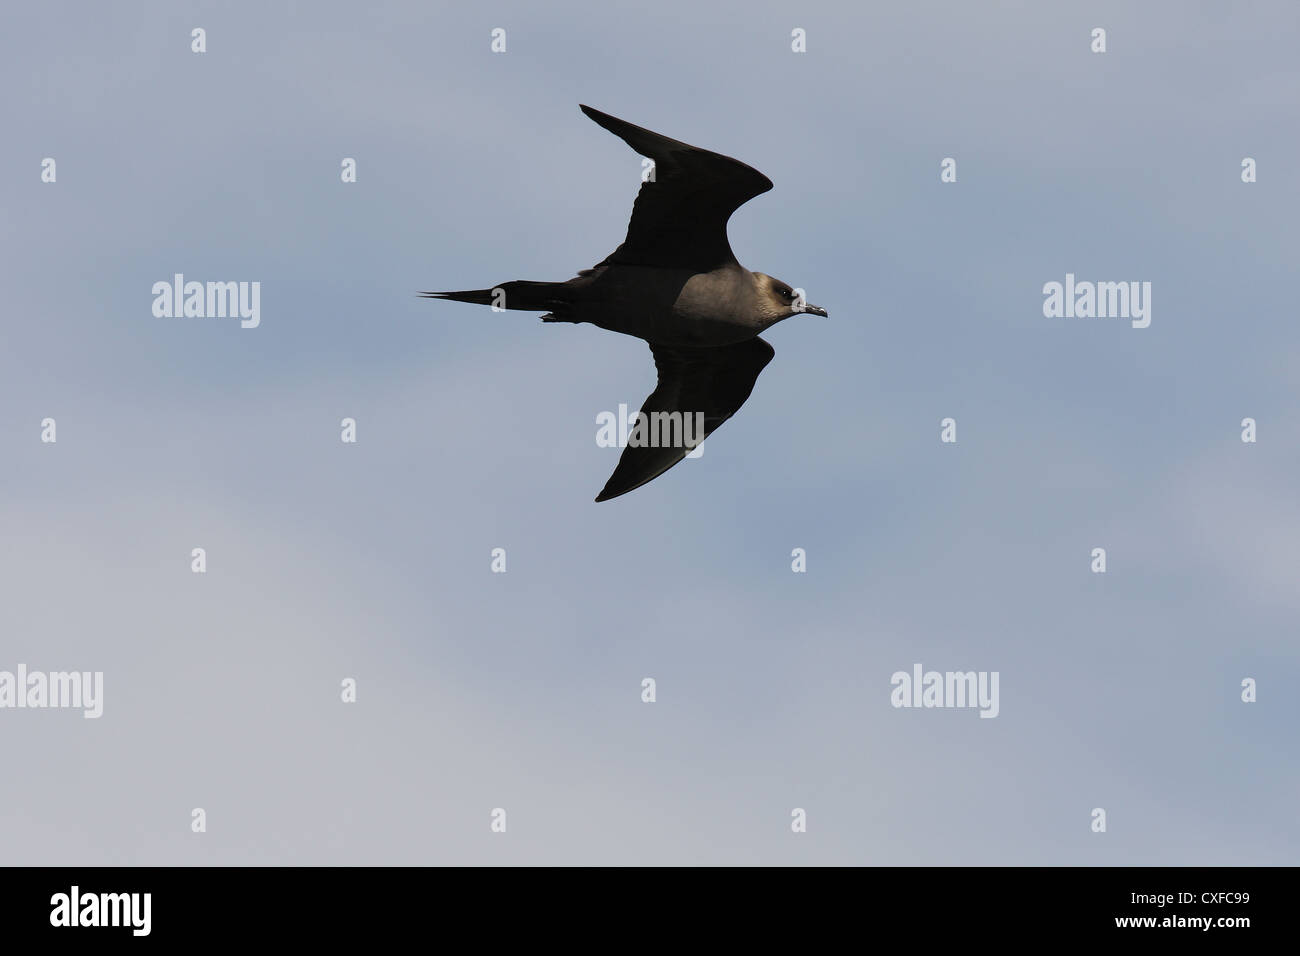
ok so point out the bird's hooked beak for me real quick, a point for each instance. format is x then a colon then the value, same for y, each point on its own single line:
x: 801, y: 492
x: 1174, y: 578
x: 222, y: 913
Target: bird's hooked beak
x: 816, y: 310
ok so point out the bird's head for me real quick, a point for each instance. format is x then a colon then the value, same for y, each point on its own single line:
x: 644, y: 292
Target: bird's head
x: 779, y: 300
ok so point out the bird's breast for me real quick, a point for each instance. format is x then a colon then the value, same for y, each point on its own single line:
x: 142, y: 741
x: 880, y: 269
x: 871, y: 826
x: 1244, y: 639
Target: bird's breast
x: 671, y: 306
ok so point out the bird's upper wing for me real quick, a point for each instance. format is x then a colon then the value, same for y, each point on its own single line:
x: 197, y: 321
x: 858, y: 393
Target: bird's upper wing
x: 711, y: 381
x: 680, y: 217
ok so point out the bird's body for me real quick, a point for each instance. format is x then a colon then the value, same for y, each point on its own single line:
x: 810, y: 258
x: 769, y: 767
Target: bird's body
x: 675, y: 283
x: 671, y: 306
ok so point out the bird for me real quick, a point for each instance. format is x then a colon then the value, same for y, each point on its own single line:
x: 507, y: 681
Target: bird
x: 674, y: 282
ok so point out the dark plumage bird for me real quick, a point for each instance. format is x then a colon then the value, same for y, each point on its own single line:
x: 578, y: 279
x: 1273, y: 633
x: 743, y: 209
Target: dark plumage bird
x: 675, y: 283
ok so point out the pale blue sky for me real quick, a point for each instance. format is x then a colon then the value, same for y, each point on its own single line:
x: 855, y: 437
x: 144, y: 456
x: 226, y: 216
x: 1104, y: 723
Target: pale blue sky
x: 476, y: 430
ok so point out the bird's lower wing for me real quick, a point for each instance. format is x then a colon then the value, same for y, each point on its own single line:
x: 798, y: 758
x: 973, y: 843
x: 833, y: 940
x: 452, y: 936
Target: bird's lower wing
x: 698, y: 390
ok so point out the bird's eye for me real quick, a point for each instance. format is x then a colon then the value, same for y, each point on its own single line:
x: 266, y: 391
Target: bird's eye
x: 788, y: 293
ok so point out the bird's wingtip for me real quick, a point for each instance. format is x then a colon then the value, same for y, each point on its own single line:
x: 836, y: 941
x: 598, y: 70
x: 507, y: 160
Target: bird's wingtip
x: 606, y: 493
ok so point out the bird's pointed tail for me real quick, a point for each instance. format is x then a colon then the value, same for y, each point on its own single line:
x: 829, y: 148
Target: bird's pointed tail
x: 522, y: 295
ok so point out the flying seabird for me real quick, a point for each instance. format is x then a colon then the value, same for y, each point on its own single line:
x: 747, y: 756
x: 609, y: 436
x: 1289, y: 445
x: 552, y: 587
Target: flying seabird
x: 675, y: 283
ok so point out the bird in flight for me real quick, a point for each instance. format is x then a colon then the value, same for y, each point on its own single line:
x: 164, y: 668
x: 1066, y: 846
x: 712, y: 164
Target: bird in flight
x: 675, y: 283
